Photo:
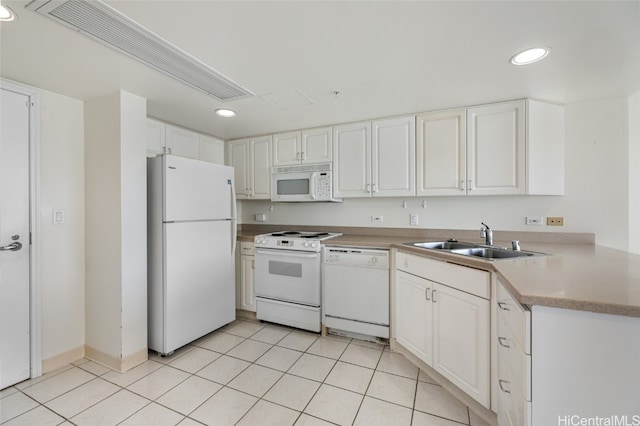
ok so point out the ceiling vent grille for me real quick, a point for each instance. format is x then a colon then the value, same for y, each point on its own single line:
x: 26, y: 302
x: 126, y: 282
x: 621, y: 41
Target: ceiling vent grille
x: 105, y: 24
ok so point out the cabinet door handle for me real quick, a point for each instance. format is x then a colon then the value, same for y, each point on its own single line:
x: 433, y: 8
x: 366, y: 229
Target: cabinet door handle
x: 253, y: 264
x: 433, y: 296
x: 502, y: 388
x: 367, y: 187
x: 503, y: 306
x: 502, y: 341
x: 426, y: 293
x: 469, y: 185
x: 373, y: 187
x: 462, y: 185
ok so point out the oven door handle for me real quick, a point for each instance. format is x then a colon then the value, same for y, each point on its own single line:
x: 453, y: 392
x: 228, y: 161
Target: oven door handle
x: 288, y: 253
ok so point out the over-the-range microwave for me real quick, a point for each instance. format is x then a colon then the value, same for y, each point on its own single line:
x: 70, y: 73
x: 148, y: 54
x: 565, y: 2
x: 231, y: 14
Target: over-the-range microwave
x: 303, y: 183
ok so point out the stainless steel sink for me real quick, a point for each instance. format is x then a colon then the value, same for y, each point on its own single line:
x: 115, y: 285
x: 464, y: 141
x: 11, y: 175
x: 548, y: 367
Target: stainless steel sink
x: 444, y: 245
x: 475, y: 250
x: 493, y: 253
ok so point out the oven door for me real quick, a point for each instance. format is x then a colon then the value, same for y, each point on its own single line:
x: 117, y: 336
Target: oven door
x: 287, y: 275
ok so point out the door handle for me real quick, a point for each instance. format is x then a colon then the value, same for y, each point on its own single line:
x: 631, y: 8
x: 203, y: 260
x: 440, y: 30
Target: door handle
x: 12, y: 247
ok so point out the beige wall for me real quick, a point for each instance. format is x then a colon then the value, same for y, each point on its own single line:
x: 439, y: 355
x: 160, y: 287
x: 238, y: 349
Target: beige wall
x: 596, y: 195
x: 62, y: 257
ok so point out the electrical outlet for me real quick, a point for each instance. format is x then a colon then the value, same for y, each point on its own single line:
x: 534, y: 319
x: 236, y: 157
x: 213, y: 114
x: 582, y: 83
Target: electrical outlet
x: 413, y: 219
x: 534, y: 220
x: 377, y: 219
x: 555, y: 221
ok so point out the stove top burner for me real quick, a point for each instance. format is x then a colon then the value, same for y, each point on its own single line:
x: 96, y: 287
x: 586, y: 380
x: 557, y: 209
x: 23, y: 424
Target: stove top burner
x: 285, y: 233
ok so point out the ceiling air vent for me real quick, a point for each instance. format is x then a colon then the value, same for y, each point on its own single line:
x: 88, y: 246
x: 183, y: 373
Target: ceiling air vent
x: 105, y: 24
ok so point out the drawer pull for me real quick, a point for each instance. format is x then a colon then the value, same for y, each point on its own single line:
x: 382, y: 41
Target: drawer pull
x: 426, y: 293
x: 502, y: 341
x: 502, y: 388
x: 504, y: 306
x: 433, y: 296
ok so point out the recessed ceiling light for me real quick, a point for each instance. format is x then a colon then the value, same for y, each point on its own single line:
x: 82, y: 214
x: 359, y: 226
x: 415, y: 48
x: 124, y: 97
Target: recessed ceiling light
x: 530, y: 56
x: 226, y: 113
x: 6, y: 14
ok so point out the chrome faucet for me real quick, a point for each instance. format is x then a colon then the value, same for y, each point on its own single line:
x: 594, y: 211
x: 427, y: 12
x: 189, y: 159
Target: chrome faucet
x: 487, y: 233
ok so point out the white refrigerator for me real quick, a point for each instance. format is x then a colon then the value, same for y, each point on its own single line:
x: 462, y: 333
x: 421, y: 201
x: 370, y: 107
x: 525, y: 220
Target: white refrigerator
x: 191, y: 250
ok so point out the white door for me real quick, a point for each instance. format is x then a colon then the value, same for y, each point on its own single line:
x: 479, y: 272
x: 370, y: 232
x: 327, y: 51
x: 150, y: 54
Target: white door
x: 200, y: 280
x: 261, y: 168
x: 14, y: 239
x: 352, y: 160
x: 461, y: 340
x: 393, y: 158
x: 196, y: 190
x: 182, y: 142
x: 496, y: 149
x: 441, y: 140
x: 316, y: 145
x: 286, y: 149
x: 413, y: 315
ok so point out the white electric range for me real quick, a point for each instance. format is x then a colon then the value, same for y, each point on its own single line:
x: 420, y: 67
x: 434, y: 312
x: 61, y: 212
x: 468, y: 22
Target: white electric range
x: 287, y: 277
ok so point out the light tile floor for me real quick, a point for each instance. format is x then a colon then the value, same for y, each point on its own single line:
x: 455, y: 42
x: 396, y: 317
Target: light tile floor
x: 246, y: 373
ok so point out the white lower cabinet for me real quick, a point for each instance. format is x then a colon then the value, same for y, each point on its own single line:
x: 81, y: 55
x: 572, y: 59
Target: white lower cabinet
x: 245, y: 295
x: 514, y: 360
x: 441, y: 315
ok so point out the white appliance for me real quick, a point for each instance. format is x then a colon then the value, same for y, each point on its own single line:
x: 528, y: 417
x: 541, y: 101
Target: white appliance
x: 303, y: 183
x: 191, y: 246
x: 287, y: 278
x: 356, y: 290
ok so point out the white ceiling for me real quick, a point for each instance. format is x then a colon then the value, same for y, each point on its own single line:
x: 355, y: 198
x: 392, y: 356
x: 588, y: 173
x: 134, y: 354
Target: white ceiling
x: 386, y: 57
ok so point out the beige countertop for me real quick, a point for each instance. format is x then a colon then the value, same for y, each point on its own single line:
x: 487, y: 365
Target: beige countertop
x: 575, y: 275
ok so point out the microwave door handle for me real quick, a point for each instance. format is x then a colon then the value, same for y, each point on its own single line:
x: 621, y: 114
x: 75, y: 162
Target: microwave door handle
x: 313, y: 185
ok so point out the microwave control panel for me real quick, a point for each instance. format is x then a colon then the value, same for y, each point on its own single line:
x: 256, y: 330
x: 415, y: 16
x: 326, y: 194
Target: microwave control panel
x: 323, y: 188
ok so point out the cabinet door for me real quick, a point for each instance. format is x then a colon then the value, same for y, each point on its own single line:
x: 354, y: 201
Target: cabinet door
x: 261, y: 168
x: 352, y: 160
x: 155, y: 137
x: 316, y: 145
x: 461, y: 340
x: 238, y: 153
x: 182, y: 142
x: 393, y: 169
x: 287, y: 148
x: 441, y: 153
x: 247, y: 295
x: 211, y: 149
x: 496, y: 149
x: 413, y: 315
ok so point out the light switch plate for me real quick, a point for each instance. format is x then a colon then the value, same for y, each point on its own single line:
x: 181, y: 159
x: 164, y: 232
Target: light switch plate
x: 58, y: 217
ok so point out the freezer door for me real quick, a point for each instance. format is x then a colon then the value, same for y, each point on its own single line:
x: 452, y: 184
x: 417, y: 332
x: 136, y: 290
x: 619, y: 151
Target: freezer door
x: 196, y: 190
x: 199, y: 280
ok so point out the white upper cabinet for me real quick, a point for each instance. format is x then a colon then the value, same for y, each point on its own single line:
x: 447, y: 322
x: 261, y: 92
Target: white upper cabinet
x: 182, y: 142
x: 352, y: 160
x: 506, y: 148
x: 316, y: 145
x: 287, y: 148
x: 163, y: 138
x: 211, y: 149
x: 496, y: 149
x: 393, y: 170
x: 441, y: 148
x: 251, y: 160
x: 302, y: 147
x: 155, y: 137
x: 375, y: 159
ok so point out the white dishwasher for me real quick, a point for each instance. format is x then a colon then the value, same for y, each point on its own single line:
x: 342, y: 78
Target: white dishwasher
x: 356, y: 290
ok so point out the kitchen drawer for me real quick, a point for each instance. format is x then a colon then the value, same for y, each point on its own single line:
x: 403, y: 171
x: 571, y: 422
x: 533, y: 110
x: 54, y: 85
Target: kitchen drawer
x: 517, y: 317
x: 514, y: 410
x: 247, y: 248
x: 463, y: 278
x: 514, y: 363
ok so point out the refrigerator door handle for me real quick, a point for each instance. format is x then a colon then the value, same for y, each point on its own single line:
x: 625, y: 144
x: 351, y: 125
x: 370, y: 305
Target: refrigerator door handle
x: 234, y: 220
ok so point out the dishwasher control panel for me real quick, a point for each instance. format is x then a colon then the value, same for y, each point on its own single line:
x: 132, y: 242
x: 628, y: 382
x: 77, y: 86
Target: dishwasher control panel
x: 351, y: 256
